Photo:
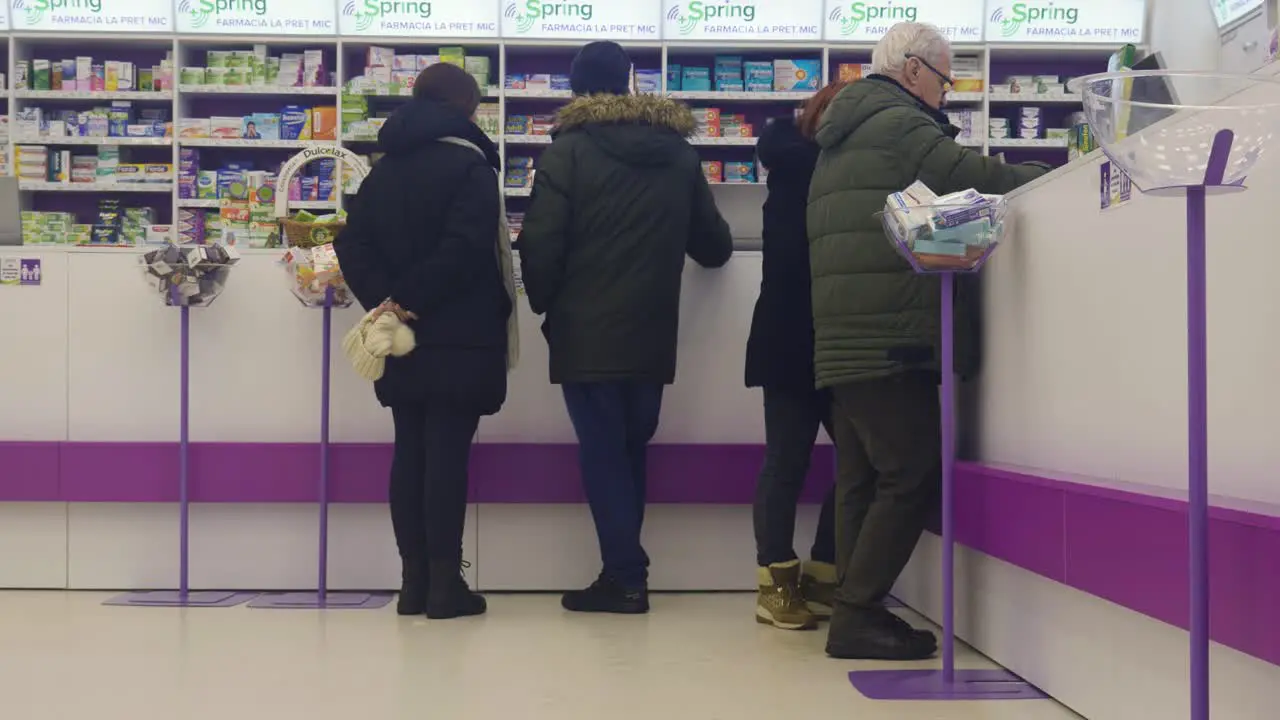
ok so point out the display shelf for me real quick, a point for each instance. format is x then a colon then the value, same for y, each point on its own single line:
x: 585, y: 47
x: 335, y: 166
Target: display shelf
x: 158, y: 95
x: 527, y: 139
x: 327, y: 91
x: 538, y: 94
x: 1036, y: 98
x: 964, y: 98
x: 254, y: 144
x: 735, y: 97
x: 722, y: 141
x: 81, y: 140
x: 1012, y: 143
x: 737, y: 184
x: 517, y: 192
x: 107, y: 187
x: 293, y: 204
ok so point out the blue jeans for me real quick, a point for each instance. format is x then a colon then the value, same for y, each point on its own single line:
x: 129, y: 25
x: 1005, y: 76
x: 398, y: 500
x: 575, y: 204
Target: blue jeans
x: 614, y: 422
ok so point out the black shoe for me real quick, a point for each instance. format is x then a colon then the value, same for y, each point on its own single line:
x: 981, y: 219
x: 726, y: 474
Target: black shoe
x: 448, y: 595
x: 607, y: 596
x: 874, y: 633
x: 413, y: 588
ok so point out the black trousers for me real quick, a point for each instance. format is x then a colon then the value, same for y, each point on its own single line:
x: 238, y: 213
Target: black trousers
x: 791, y: 420
x: 888, y: 480
x: 429, y: 481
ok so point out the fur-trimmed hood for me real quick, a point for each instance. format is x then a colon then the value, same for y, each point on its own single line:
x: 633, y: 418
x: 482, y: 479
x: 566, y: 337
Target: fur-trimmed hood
x: 652, y: 110
x: 638, y: 130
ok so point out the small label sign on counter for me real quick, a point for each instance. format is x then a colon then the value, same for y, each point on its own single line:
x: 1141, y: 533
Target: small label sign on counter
x: 19, y: 271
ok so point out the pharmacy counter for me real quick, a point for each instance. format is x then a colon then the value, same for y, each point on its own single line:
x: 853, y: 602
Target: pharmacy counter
x: 90, y: 430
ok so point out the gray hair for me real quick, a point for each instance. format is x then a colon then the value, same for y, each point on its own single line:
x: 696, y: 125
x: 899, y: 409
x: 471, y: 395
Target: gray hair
x: 909, y: 38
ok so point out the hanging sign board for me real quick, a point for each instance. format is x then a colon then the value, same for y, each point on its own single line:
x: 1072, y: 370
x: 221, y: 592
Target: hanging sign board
x: 128, y: 16
x: 777, y: 20
x: 869, y: 20
x: 256, y: 17
x: 580, y: 19
x: 4, y: 15
x: 1065, y: 21
x: 433, y: 18
x: 1226, y: 12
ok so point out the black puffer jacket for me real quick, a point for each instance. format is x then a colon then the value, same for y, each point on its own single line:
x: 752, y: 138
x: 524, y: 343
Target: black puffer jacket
x: 780, y: 349
x: 423, y: 231
x: 619, y: 199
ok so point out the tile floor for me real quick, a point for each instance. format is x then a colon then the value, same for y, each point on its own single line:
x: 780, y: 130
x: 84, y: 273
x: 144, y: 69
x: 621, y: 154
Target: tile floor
x: 63, y: 656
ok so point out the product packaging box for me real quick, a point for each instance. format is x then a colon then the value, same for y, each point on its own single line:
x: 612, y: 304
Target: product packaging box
x: 758, y: 76
x: 713, y: 171
x: 739, y: 172
x: 675, y: 73
x: 648, y: 82
x: 695, y: 79
x: 796, y: 75
x: 324, y: 123
x: 454, y: 56
x: 295, y: 123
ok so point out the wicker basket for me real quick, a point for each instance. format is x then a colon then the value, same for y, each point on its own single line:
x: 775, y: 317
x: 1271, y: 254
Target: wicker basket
x: 302, y: 234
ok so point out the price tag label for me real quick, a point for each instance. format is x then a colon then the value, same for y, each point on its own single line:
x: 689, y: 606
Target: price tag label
x: 257, y: 17
x: 130, y: 16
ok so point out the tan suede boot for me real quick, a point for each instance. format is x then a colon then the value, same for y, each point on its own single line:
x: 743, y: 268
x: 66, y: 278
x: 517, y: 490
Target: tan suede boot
x: 779, y: 602
x: 818, y: 586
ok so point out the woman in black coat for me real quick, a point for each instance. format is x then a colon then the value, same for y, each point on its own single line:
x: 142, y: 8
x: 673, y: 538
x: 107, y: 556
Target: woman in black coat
x: 780, y: 360
x: 421, y: 241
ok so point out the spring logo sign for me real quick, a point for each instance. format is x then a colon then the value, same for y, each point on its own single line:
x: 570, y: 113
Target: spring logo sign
x: 367, y: 12
x: 688, y: 16
x: 34, y: 11
x: 202, y: 11
x: 1019, y: 14
x: 526, y: 13
x: 853, y: 16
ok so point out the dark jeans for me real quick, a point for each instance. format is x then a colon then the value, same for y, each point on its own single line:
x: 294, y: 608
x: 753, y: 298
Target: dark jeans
x: 791, y: 420
x: 888, y: 481
x: 429, y: 481
x: 614, y: 422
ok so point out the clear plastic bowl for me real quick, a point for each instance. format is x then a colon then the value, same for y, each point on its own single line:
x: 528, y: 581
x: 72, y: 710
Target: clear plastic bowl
x: 947, y: 238
x: 1170, y: 130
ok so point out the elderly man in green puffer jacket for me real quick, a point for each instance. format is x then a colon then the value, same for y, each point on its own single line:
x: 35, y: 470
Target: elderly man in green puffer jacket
x: 877, y: 324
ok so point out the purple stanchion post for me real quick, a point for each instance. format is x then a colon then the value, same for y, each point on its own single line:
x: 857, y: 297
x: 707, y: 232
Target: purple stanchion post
x: 322, y: 572
x: 948, y: 495
x: 947, y: 683
x: 322, y: 598
x: 184, y: 438
x: 1197, y: 452
x: 183, y: 597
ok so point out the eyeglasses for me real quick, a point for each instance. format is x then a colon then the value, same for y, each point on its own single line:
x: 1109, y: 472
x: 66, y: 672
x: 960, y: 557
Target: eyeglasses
x: 946, y: 81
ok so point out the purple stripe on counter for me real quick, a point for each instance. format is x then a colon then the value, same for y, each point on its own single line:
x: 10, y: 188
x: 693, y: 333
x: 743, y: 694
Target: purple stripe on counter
x: 1130, y: 549
x: 289, y: 473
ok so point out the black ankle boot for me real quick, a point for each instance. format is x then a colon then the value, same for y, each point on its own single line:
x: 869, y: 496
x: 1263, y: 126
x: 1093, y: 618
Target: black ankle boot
x: 413, y: 588
x: 448, y: 595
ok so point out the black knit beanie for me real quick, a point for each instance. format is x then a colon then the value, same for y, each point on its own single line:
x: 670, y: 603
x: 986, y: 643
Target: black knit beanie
x: 601, y: 67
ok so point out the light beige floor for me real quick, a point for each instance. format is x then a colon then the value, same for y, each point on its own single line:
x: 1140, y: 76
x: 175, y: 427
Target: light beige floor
x: 63, y: 656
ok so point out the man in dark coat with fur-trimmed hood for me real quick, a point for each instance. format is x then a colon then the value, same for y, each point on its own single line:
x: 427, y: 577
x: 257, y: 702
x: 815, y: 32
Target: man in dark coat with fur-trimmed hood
x: 619, y: 200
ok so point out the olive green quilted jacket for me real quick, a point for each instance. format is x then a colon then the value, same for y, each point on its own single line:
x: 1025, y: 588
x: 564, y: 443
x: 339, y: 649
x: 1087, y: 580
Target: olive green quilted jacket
x: 873, y: 317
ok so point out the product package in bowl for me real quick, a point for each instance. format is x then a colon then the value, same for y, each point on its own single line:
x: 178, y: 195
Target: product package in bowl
x: 947, y: 233
x: 306, y: 230
x: 315, y: 278
x: 190, y: 276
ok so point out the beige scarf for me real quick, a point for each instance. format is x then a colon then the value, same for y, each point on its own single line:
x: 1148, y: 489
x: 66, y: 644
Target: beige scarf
x: 506, y: 263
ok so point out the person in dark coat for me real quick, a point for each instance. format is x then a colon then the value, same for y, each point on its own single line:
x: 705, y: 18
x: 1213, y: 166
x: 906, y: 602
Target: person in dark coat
x: 619, y: 199
x: 421, y: 241
x: 780, y: 360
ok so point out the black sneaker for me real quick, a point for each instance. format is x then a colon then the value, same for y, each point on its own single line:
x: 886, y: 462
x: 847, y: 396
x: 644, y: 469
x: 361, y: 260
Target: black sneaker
x: 874, y: 633
x: 607, y: 596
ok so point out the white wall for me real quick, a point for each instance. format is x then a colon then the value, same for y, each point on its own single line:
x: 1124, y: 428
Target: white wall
x: 1184, y: 31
